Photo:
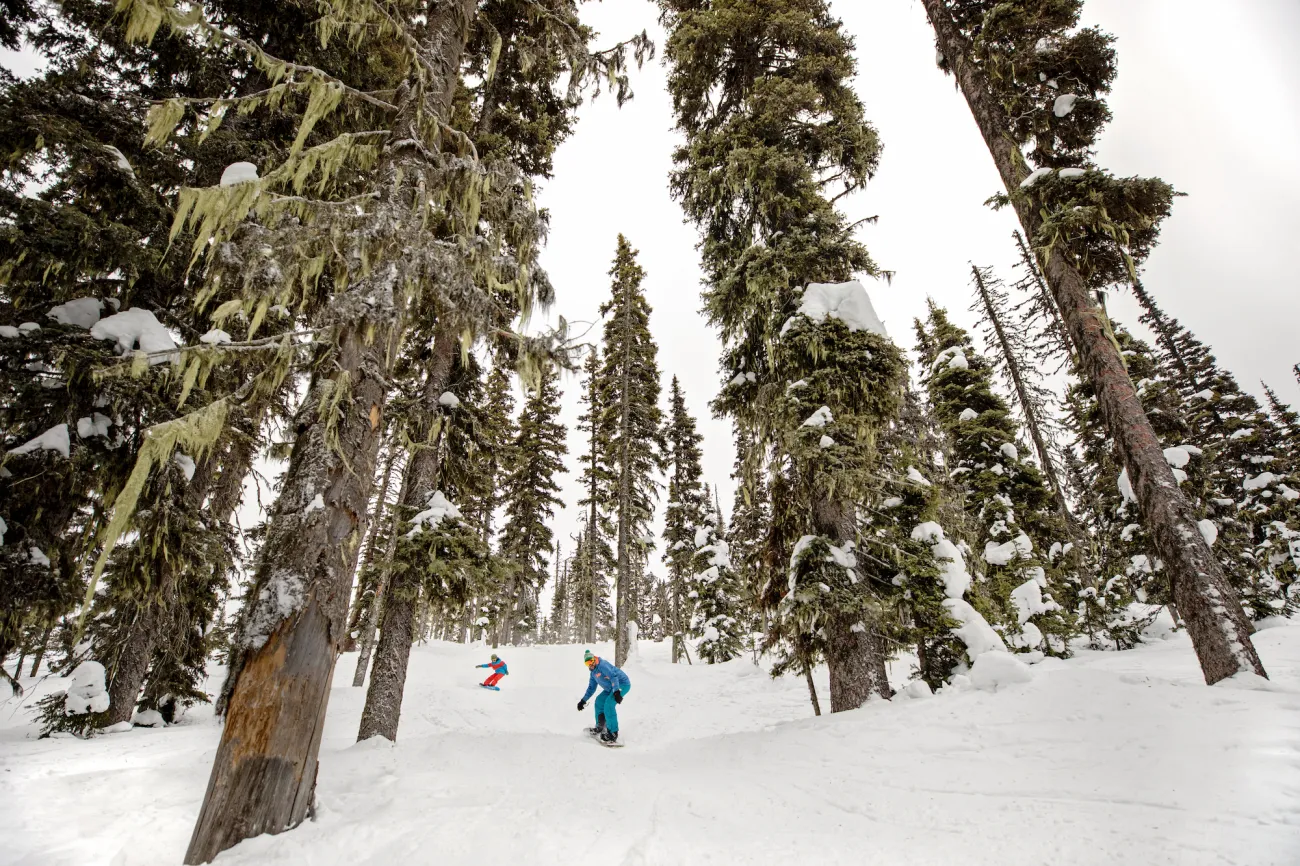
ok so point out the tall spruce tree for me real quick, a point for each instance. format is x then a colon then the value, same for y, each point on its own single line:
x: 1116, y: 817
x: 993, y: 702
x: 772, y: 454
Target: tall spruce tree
x: 685, y: 512
x: 1247, y: 514
x: 1036, y: 83
x: 1014, y: 515
x: 530, y: 492
x: 714, y: 589
x: 630, y: 423
x: 774, y: 136
x: 596, y: 554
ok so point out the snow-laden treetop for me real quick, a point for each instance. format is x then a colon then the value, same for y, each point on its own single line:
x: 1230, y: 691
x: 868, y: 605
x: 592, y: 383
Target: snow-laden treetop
x: 847, y: 302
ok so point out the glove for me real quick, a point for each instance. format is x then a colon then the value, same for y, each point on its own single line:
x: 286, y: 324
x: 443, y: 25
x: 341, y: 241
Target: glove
x: 618, y: 697
x: 582, y: 705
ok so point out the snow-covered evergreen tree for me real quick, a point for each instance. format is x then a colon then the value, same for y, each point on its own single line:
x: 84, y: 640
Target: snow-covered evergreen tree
x: 1249, y: 509
x: 717, y: 622
x: 531, y: 495
x: 1015, y: 516
x: 630, y: 424
x: 1036, y: 82
x: 686, y: 508
x: 761, y: 91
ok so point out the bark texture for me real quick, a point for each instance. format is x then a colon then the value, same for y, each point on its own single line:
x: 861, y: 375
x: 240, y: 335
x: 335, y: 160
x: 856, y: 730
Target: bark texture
x: 278, y: 686
x: 383, y: 708
x: 854, y: 651
x: 1218, y: 627
x: 371, y: 625
x: 264, y: 775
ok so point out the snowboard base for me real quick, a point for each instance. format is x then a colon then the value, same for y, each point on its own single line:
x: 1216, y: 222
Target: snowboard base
x: 493, y: 688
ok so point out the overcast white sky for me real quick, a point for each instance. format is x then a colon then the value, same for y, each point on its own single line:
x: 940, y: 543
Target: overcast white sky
x: 1208, y: 97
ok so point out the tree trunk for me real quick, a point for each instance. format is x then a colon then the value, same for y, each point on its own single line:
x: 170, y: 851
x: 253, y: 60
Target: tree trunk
x: 132, y: 663
x: 1218, y: 627
x: 40, y: 651
x: 376, y: 603
x: 383, y: 708
x: 1022, y: 395
x: 854, y: 651
x: 812, y: 688
x: 624, y: 595
x: 264, y: 774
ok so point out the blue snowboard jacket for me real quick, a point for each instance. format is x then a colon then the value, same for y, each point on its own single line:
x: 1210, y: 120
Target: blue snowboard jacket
x: 608, y: 677
x: 499, y: 666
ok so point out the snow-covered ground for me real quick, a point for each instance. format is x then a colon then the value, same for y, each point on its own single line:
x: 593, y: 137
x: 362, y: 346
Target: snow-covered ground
x: 1107, y: 758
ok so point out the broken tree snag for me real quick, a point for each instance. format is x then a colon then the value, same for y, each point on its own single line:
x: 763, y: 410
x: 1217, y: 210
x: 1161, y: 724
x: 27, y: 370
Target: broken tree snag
x: 264, y: 776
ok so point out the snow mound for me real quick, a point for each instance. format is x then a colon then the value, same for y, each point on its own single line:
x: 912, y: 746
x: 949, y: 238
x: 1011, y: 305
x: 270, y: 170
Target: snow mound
x: 968, y: 415
x: 238, y: 172
x: 918, y: 689
x: 1035, y: 177
x: 826, y: 442
x: 993, y: 671
x: 1009, y: 451
x: 1064, y: 104
x: 440, y: 509
x: 186, y: 463
x: 1126, y: 487
x: 847, y: 302
x: 1209, y: 531
x: 215, y: 337
x: 952, y: 566
x: 1177, y: 457
x: 9, y: 332
x: 87, y: 692
x: 82, y: 312
x: 1071, y: 173
x: 1002, y: 554
x: 820, y: 418
x: 974, y: 631
x: 448, y: 399
x: 148, y: 719
x: 953, y: 358
x: 93, y: 425
x: 136, y: 327
x: 54, y: 439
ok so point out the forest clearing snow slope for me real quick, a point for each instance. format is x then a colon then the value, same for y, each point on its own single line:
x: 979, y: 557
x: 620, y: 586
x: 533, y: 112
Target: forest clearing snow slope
x: 1106, y: 758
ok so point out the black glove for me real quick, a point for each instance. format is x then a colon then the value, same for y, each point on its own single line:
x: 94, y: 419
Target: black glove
x: 582, y: 705
x: 618, y: 697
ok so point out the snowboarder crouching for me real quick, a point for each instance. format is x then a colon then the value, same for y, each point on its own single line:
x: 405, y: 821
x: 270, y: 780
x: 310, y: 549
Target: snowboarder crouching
x: 498, y: 671
x: 614, y: 686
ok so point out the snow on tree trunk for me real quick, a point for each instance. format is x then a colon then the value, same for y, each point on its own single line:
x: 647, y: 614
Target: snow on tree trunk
x: 1219, y: 629
x: 264, y: 774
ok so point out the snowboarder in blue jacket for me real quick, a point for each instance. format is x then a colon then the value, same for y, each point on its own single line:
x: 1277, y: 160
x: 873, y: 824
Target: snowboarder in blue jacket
x: 614, y: 686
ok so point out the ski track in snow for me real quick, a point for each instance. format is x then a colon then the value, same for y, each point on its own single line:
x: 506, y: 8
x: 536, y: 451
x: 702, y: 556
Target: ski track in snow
x: 1107, y: 758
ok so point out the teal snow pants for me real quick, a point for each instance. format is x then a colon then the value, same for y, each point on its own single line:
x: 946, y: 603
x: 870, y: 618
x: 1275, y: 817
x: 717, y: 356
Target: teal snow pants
x: 606, y: 706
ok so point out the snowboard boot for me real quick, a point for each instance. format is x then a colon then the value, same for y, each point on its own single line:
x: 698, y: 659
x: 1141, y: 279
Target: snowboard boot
x: 609, y: 737
x: 600, y: 726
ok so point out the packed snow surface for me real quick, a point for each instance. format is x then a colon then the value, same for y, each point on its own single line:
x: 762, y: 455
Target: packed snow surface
x: 1105, y: 758
x: 847, y: 302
